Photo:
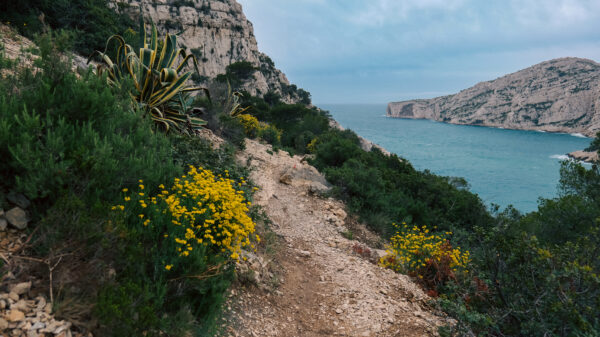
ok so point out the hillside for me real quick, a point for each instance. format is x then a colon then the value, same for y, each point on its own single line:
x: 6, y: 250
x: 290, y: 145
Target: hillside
x: 218, y: 34
x: 560, y: 95
x: 324, y: 283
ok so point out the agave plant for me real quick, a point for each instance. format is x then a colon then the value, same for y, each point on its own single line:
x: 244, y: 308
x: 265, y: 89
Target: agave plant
x: 232, y: 104
x: 160, y: 89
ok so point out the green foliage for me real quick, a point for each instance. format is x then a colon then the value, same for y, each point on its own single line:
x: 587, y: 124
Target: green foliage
x: 70, y: 144
x: 595, y: 145
x: 175, y: 266
x: 538, y: 274
x: 527, y: 288
x: 236, y: 74
x: 159, y: 88
x: 65, y: 132
x: 90, y: 22
x: 241, y: 70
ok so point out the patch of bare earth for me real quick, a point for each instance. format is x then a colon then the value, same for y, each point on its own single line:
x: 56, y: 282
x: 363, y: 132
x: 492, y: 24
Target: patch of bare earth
x: 327, y: 285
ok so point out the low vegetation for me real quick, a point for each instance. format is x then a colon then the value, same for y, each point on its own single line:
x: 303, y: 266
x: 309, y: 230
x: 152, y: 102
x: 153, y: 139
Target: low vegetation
x: 150, y: 250
x: 88, y: 22
x: 499, y: 273
x: 149, y: 224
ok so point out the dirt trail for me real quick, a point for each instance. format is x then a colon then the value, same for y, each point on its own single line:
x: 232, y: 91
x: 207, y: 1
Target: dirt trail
x: 328, y: 285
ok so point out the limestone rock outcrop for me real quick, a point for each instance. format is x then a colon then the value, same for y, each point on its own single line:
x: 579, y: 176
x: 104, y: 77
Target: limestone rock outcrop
x: 218, y: 33
x: 560, y: 95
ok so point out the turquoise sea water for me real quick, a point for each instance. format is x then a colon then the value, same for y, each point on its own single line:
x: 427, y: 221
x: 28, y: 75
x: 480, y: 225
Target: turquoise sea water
x: 502, y: 166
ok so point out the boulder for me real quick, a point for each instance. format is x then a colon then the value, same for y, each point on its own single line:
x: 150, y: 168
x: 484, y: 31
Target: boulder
x: 21, y: 288
x: 17, y: 218
x: 18, y: 199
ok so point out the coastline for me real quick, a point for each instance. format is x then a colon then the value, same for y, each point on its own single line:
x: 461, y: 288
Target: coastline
x: 576, y: 133
x: 585, y: 156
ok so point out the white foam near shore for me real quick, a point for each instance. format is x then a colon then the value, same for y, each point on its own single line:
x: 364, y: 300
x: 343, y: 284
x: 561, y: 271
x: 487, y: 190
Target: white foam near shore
x: 560, y: 156
x: 542, y: 131
x: 578, y: 135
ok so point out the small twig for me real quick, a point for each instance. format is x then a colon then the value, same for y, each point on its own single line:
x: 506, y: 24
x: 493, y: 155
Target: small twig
x: 51, y: 269
x: 29, y: 258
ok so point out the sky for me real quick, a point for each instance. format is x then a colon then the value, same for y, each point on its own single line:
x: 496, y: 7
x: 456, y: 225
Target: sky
x: 377, y: 51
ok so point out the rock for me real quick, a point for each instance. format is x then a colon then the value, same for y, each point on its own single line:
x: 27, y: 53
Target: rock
x: 18, y: 199
x: 38, y: 326
x: 15, y: 316
x: 21, y: 305
x: 318, y: 188
x: 219, y: 34
x: 41, y: 304
x: 559, y: 95
x: 13, y: 296
x: 21, y: 288
x: 3, y: 224
x: 304, y: 253
x: 17, y: 218
x: 588, y: 157
x: 3, y: 324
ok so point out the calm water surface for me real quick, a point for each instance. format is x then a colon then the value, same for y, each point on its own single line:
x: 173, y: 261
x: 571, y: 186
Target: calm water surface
x: 502, y: 166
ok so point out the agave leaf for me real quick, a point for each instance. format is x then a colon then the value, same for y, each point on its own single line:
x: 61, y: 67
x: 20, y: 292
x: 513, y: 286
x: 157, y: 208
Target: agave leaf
x: 173, y: 89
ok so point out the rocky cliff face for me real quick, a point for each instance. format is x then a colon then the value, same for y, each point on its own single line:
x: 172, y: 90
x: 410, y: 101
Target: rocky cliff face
x: 218, y: 33
x: 561, y: 95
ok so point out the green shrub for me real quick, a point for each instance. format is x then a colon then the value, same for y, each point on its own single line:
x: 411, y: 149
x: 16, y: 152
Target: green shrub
x: 180, y: 244
x: 90, y: 22
x: 270, y: 134
x: 595, y: 145
x: 70, y: 145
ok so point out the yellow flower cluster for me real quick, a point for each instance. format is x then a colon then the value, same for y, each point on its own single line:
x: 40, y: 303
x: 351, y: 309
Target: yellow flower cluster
x: 312, y: 146
x: 254, y: 128
x: 200, y: 209
x: 250, y: 123
x: 413, y: 248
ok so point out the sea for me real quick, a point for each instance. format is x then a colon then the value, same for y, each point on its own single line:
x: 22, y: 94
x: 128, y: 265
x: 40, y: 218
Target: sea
x: 504, y: 167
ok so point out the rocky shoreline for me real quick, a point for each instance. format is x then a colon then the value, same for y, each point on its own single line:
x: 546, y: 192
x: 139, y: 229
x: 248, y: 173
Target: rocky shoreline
x: 559, y: 95
x: 585, y: 156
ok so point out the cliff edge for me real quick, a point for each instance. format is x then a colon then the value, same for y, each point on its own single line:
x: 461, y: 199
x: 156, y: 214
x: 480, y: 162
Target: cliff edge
x: 218, y: 33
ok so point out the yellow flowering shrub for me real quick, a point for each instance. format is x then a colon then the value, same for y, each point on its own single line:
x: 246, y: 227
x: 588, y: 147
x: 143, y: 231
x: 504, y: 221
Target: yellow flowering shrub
x: 429, y: 256
x: 250, y: 123
x: 199, y: 214
x: 253, y: 128
x: 312, y: 146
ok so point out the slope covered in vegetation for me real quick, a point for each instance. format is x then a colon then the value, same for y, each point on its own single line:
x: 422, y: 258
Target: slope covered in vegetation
x: 148, y: 244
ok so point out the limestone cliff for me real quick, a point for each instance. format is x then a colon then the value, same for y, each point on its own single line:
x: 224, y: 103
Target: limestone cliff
x: 219, y: 34
x: 560, y: 95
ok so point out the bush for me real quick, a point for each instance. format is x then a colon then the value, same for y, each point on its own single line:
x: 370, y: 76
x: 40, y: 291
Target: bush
x: 180, y: 244
x: 250, y: 123
x: 70, y: 144
x: 595, y: 145
x: 270, y: 134
x: 428, y: 256
x: 90, y: 22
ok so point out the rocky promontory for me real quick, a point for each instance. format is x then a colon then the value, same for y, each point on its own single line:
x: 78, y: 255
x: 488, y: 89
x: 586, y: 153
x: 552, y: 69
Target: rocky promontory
x: 560, y: 95
x: 586, y: 156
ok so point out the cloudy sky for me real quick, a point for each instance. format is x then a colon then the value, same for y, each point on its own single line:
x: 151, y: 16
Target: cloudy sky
x: 376, y: 51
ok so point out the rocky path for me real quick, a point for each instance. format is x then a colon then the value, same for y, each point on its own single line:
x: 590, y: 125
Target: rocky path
x: 327, y: 285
